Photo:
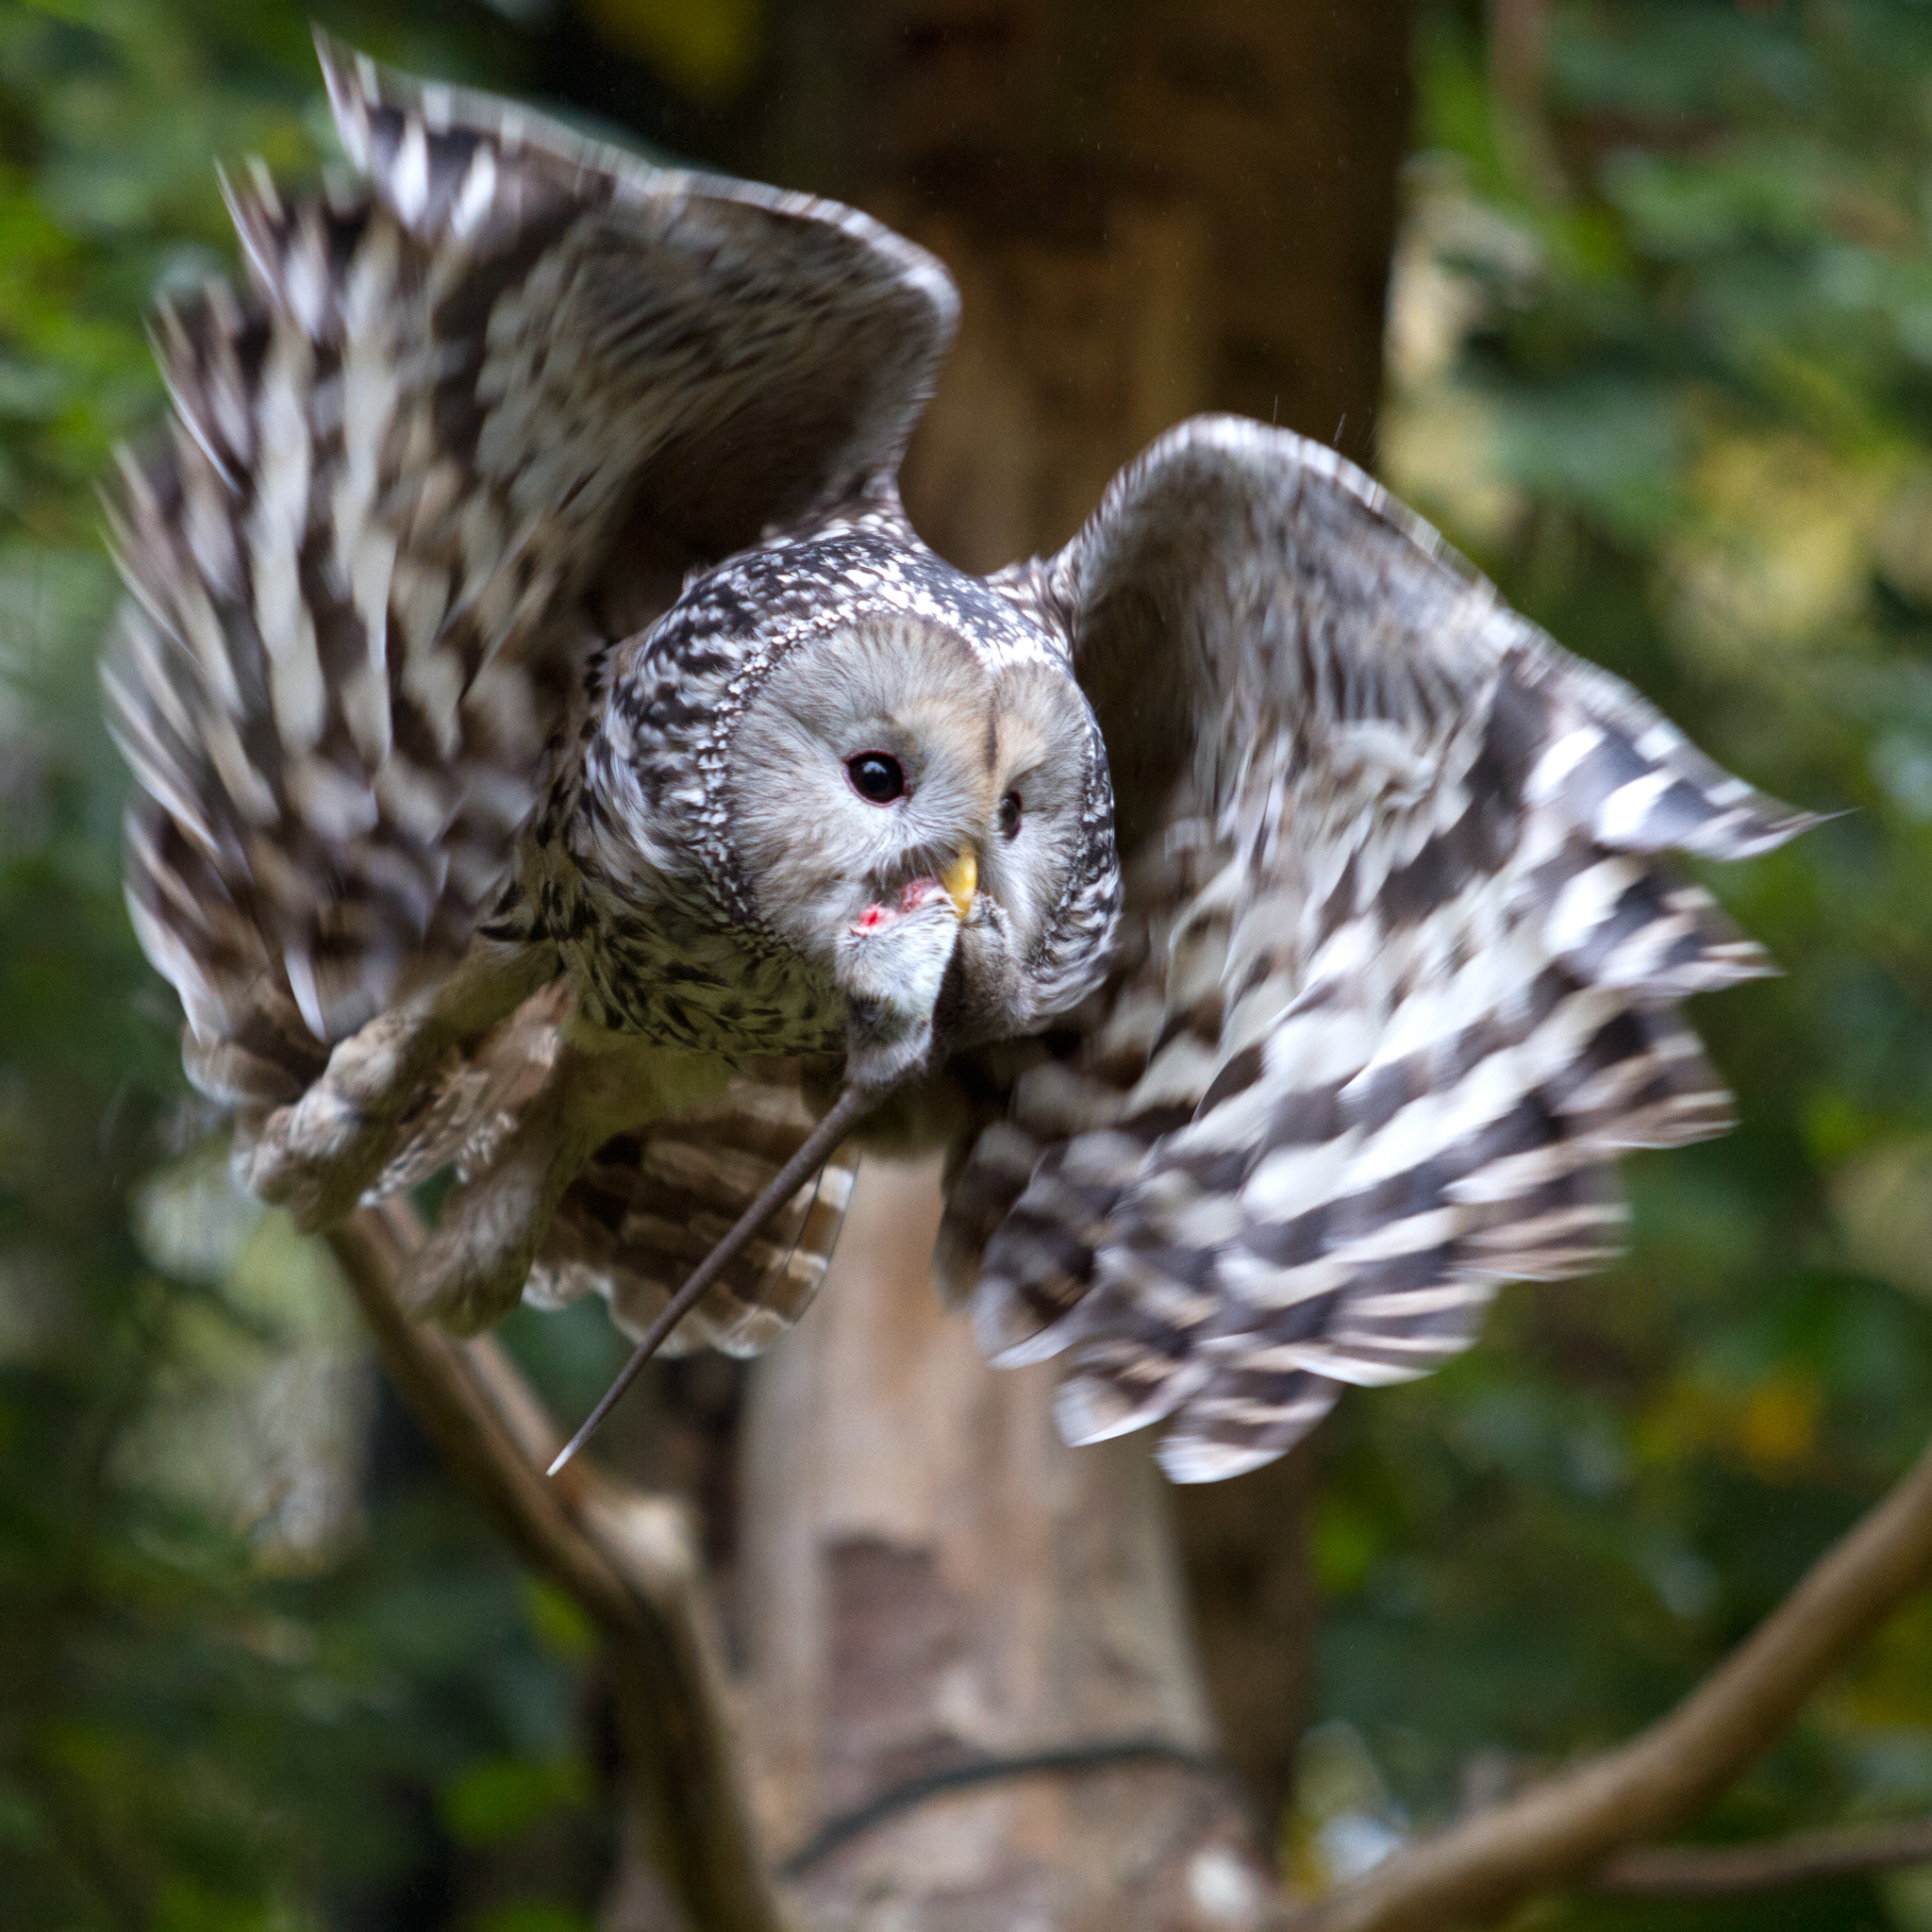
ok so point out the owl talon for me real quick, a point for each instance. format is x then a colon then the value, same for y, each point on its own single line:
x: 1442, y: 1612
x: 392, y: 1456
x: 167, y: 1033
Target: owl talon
x: 320, y: 1156
x: 471, y: 1272
x: 472, y: 1269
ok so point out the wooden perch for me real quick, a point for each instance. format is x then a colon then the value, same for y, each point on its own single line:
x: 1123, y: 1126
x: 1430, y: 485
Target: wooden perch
x: 626, y: 1559
x: 1572, y: 1827
x: 1717, y: 1871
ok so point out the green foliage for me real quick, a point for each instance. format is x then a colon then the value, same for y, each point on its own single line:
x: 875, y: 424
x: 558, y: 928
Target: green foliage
x: 532, y: 1915
x: 1661, y: 361
x: 502, y: 1797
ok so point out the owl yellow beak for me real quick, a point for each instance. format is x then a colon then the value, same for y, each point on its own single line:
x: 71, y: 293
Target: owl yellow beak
x: 960, y: 881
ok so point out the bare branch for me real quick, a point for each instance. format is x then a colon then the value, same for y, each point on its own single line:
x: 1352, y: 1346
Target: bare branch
x: 624, y: 1557
x: 1708, y: 1871
x: 1558, y: 1832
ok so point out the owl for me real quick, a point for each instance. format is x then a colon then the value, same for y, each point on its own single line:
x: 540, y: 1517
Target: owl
x: 560, y: 764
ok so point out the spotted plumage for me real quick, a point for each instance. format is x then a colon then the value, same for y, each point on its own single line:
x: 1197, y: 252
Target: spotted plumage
x: 562, y: 763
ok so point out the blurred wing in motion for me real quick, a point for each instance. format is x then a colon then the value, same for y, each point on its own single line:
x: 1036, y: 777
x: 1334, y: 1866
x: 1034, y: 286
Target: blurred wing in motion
x: 652, y: 1204
x: 403, y: 467
x: 1398, y: 973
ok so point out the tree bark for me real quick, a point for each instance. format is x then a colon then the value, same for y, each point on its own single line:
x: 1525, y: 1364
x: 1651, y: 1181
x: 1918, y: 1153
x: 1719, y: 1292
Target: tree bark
x: 932, y: 1580
x: 1150, y: 212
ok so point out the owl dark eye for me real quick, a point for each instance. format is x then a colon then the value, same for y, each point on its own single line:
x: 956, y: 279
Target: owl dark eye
x: 878, y: 776
x: 1010, y: 816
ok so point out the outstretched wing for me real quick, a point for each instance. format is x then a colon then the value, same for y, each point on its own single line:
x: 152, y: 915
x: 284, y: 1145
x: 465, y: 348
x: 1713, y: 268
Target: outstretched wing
x: 1398, y: 973
x: 452, y: 405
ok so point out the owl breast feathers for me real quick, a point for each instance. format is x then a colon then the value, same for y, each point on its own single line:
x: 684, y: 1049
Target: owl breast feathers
x: 561, y: 762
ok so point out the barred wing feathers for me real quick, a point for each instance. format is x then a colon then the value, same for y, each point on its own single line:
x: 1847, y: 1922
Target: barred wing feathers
x: 396, y: 466
x: 652, y: 1204
x: 1398, y: 971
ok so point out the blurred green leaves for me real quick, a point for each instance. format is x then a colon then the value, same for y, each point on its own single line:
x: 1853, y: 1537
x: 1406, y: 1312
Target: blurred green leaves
x: 503, y: 1797
x: 707, y: 48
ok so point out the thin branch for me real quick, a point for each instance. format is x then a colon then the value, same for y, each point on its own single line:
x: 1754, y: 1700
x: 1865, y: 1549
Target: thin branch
x: 624, y: 1557
x: 1556, y: 1833
x: 1708, y: 1871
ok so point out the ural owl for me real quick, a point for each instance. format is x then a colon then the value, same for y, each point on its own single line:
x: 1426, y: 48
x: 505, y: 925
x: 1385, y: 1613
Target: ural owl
x: 562, y: 762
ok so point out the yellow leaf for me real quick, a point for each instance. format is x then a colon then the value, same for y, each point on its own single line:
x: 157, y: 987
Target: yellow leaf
x: 705, y: 48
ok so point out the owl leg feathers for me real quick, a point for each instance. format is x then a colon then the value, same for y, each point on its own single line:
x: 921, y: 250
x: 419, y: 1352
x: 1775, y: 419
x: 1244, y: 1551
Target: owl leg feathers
x: 472, y: 1269
x: 319, y: 1156
x: 891, y: 964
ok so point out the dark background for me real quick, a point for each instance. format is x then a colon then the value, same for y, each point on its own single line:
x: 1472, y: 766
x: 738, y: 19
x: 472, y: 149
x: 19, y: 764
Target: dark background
x: 1660, y: 356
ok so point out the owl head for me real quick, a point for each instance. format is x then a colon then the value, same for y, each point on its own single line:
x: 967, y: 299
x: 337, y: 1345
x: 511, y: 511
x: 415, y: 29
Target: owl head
x: 909, y: 815
x: 897, y: 780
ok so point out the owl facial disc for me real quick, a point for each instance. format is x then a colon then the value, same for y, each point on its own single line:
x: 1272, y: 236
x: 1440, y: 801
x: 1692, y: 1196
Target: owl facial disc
x: 903, y: 806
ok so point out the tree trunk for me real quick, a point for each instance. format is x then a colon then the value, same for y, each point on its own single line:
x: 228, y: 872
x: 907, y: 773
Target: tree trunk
x: 1150, y: 212
x: 932, y: 1580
